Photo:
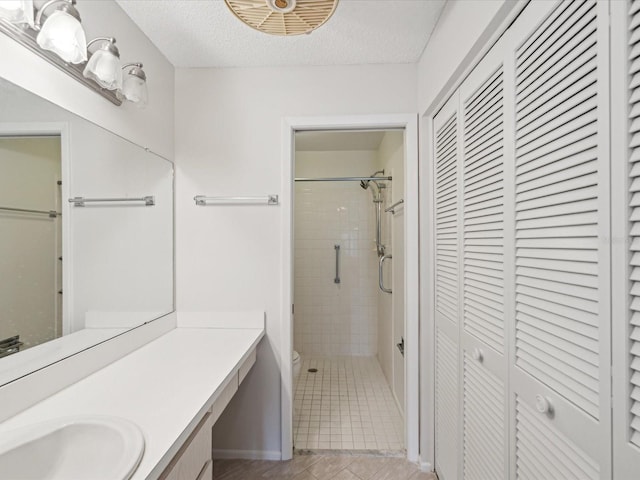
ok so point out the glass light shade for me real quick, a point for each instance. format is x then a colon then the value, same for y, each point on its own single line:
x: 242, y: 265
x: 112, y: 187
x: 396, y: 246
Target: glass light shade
x: 104, y: 68
x: 134, y: 89
x: 63, y: 35
x: 17, y: 11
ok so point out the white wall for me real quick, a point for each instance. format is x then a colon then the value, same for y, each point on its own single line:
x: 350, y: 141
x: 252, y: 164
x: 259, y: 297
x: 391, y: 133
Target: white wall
x: 151, y: 127
x: 335, y: 319
x: 228, y: 142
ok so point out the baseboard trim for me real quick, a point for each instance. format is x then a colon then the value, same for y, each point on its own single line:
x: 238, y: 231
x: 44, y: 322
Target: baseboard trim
x: 247, y: 454
x: 426, y: 467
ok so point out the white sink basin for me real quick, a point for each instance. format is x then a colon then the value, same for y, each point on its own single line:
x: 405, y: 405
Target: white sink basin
x: 72, y: 448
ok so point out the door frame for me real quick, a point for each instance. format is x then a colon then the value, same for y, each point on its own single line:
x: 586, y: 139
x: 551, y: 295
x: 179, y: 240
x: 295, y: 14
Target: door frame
x: 408, y: 122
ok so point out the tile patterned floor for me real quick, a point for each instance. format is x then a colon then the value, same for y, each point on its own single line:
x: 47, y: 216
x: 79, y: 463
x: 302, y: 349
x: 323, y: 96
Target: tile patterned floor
x: 346, y: 405
x: 321, y: 467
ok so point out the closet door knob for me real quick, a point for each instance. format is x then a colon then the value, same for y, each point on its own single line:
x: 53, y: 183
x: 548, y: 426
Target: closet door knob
x: 477, y: 355
x: 543, y: 405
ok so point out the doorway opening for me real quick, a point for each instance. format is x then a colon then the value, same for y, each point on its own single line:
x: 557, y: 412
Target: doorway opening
x: 348, y: 291
x: 350, y: 363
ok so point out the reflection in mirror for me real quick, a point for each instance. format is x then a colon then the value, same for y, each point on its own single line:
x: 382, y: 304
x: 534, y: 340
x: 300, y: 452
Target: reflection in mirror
x: 30, y: 242
x: 83, y: 274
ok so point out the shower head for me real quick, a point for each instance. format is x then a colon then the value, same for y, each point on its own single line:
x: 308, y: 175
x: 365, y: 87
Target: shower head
x: 365, y: 183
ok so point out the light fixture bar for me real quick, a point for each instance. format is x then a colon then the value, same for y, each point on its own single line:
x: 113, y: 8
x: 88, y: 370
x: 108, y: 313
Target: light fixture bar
x: 27, y: 38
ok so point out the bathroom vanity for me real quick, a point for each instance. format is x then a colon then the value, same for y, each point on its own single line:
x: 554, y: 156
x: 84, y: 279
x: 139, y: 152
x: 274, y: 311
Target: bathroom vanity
x: 174, y: 389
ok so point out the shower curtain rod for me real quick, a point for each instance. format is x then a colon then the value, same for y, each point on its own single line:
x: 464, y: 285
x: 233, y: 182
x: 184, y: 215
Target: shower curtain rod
x: 341, y: 179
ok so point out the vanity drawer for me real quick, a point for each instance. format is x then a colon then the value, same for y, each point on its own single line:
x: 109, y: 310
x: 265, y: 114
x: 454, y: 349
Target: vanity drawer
x: 223, y: 400
x: 246, y: 366
x: 194, y: 456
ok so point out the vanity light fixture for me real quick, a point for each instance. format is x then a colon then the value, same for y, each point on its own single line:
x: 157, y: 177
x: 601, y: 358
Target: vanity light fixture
x: 134, y: 84
x: 57, y: 36
x: 17, y: 11
x: 103, y: 66
x: 61, y: 32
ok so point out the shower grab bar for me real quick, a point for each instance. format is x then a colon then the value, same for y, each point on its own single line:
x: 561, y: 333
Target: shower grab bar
x: 268, y: 200
x: 337, y: 249
x: 51, y: 213
x: 392, y: 208
x: 148, y: 200
x: 380, y: 276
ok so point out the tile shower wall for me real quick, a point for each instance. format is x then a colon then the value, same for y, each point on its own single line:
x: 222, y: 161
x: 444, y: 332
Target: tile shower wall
x: 391, y: 307
x: 331, y: 318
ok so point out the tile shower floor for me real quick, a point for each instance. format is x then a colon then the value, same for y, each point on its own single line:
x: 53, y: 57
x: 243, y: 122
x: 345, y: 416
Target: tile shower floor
x: 345, y: 405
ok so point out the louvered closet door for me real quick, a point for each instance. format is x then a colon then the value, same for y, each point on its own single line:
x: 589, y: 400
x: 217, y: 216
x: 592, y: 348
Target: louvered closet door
x: 484, y: 369
x: 627, y: 334
x: 560, y: 371
x: 447, y: 277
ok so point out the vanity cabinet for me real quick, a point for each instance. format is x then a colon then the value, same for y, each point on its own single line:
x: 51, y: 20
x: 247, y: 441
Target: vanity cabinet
x: 194, y: 459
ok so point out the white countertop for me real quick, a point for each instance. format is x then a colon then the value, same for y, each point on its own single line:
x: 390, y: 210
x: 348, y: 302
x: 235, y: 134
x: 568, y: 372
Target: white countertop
x: 165, y: 388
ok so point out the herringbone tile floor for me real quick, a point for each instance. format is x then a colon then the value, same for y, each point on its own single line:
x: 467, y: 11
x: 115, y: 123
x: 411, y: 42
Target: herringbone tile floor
x: 321, y: 467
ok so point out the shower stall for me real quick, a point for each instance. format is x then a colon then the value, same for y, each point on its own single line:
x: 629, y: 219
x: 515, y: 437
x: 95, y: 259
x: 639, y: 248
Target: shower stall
x: 348, y: 291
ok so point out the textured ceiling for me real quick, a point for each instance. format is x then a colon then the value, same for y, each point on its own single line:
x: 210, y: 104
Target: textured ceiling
x: 204, y: 33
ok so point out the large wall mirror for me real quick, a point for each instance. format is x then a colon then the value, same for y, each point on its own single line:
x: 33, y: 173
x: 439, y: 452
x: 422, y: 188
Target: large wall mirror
x: 76, y: 273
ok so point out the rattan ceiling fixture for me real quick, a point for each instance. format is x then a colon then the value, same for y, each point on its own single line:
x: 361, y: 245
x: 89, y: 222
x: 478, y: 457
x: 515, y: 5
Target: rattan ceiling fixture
x: 283, y: 17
